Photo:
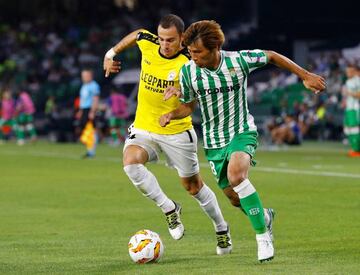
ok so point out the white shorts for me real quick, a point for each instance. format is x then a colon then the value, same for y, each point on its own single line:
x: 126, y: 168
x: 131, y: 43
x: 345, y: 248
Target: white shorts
x: 180, y: 149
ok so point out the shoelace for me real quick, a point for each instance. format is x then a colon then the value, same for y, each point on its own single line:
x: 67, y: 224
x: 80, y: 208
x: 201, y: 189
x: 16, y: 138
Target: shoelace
x: 172, y: 220
x: 223, y: 240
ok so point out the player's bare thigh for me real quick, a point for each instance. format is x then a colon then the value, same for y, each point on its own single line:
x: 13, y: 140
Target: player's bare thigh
x: 238, y: 168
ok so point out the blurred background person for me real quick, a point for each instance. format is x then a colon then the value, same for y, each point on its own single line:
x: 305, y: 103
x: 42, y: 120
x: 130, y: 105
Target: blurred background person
x: 118, y: 117
x: 288, y: 132
x: 25, y: 110
x: 89, y: 102
x: 351, y: 92
x: 52, y: 116
x: 101, y: 121
x: 7, y: 120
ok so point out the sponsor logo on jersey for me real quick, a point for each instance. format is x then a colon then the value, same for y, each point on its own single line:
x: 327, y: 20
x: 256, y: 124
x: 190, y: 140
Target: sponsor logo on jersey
x: 154, y: 84
x: 232, y: 72
x: 217, y: 90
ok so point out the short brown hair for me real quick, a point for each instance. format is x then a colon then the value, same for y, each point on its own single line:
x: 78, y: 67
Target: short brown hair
x: 208, y: 31
x: 170, y: 20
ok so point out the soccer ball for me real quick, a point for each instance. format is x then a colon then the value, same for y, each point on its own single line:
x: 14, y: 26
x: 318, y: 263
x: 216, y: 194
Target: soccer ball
x: 145, y: 246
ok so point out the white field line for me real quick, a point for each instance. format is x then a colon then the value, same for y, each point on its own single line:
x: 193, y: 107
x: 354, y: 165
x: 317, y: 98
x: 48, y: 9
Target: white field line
x: 202, y: 164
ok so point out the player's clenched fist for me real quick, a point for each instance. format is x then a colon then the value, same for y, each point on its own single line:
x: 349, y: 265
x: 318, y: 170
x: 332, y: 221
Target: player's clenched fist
x: 111, y: 66
x: 165, y: 119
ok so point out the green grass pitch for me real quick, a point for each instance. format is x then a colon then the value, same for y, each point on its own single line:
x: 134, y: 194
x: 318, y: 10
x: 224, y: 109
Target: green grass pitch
x: 60, y: 214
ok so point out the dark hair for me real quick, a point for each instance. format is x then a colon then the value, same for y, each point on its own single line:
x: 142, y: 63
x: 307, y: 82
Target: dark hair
x: 87, y: 69
x: 352, y: 65
x: 208, y: 31
x: 170, y: 20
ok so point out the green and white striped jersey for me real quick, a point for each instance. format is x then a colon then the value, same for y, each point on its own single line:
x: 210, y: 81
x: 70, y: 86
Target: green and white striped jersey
x: 353, y: 86
x: 221, y: 94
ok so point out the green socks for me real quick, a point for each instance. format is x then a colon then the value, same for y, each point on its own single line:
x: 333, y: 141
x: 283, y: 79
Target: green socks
x: 252, y: 205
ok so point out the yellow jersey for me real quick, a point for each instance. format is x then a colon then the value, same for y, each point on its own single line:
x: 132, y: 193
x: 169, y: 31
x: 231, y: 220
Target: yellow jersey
x: 157, y: 73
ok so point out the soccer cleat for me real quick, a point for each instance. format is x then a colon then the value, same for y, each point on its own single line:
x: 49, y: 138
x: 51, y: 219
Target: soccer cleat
x: 271, y: 214
x: 88, y: 156
x: 20, y: 142
x: 265, y: 247
x: 353, y: 154
x: 176, y: 228
x: 224, y: 245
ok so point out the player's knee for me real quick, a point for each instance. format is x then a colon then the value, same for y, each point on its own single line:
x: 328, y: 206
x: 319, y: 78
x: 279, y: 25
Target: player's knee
x: 134, y: 155
x: 135, y: 172
x: 129, y: 159
x: 236, y: 177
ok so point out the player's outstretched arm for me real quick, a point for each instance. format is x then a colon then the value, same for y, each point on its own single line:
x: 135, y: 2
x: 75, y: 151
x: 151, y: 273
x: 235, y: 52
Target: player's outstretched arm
x: 111, y: 66
x: 356, y: 95
x: 313, y: 82
x: 182, y: 111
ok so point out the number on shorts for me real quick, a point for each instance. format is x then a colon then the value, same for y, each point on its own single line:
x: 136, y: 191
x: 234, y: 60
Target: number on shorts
x: 212, y: 166
x: 131, y: 136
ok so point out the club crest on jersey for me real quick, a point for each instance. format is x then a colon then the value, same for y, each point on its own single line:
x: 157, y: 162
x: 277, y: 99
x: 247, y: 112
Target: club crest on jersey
x: 232, y: 72
x: 171, y: 75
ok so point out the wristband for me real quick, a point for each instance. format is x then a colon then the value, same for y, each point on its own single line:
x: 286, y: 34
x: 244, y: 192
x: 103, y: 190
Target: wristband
x: 110, y: 53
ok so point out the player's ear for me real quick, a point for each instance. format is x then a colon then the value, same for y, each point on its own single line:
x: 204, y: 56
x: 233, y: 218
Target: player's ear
x: 181, y: 36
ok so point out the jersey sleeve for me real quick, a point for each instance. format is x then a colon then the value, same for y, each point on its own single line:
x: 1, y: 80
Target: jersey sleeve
x: 145, y: 39
x: 187, y: 90
x: 96, y: 89
x: 253, y: 59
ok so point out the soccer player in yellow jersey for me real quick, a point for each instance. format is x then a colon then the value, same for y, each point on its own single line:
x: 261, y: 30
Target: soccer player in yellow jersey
x: 162, y: 58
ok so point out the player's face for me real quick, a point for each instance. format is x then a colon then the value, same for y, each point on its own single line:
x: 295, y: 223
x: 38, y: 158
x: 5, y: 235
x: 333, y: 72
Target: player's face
x: 86, y: 76
x: 170, y: 41
x: 351, y: 72
x: 203, y: 57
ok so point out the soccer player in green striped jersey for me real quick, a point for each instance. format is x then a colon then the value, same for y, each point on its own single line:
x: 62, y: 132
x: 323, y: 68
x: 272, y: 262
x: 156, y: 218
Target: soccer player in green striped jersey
x: 352, y: 109
x: 217, y: 80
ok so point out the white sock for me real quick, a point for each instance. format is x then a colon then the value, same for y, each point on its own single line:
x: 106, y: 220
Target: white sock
x: 209, y: 204
x: 244, y: 189
x: 147, y: 184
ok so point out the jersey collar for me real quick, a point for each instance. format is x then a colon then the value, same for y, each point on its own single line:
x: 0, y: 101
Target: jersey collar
x: 172, y: 57
x: 220, y: 64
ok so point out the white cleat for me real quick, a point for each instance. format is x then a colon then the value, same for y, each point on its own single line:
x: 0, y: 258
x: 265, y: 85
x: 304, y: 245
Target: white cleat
x: 265, y: 247
x: 224, y: 245
x: 20, y: 142
x: 176, y: 228
x: 269, y: 223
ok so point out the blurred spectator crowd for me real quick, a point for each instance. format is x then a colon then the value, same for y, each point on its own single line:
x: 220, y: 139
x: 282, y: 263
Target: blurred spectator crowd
x: 45, y: 60
x: 290, y: 105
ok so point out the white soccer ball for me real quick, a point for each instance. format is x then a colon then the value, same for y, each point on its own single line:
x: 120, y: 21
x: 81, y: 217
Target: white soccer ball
x: 145, y: 246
